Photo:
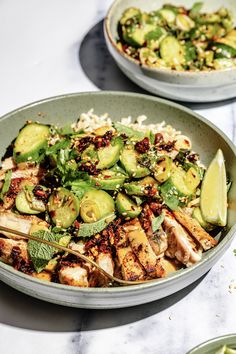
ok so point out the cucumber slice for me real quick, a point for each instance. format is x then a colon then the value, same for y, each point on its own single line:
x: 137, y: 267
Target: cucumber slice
x: 129, y: 161
x: 141, y: 187
x: 229, y: 39
x: 155, y: 37
x: 110, y: 155
x: 30, y: 142
x: 162, y: 169
x: 126, y: 207
x: 192, y: 178
x: 89, y: 154
x: 184, y: 22
x: 27, y: 203
x: 172, y: 51
x: 63, y: 207
x: 168, y: 15
x: 108, y: 180
x: 128, y: 14
x: 95, y: 205
x: 223, y: 63
x: 178, y: 179
x: 197, y: 214
x: 222, y: 50
x: 147, y: 56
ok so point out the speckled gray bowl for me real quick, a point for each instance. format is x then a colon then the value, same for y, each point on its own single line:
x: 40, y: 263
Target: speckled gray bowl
x: 185, y: 86
x: 212, y: 345
x: 206, y: 139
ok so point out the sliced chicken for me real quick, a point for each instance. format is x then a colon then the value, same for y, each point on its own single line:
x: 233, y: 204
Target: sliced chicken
x: 8, y: 164
x: 131, y: 269
x: 169, y: 266
x: 142, y: 248
x: 46, y: 276
x: 7, y: 246
x: 18, y: 222
x: 104, y: 260
x: 193, y: 227
x: 74, y: 275
x: 181, y: 245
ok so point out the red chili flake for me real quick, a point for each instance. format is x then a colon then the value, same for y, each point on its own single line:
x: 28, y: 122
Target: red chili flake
x: 90, y: 168
x: 84, y: 143
x: 106, y: 177
x: 104, y: 140
x: 76, y: 224
x: 158, y: 139
x: 142, y: 146
x: 40, y: 193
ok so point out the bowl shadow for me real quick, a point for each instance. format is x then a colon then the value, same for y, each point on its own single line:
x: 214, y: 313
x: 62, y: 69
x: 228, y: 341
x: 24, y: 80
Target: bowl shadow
x: 22, y: 311
x: 100, y: 68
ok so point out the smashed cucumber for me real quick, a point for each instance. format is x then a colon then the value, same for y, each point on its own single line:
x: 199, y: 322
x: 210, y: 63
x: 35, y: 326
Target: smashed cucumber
x: 162, y: 169
x: 109, y: 156
x: 63, y: 207
x: 95, y: 205
x: 141, y: 187
x: 30, y: 142
x: 126, y: 206
x: 27, y: 203
x: 172, y: 51
x: 108, y: 180
x: 129, y: 14
x: 129, y: 161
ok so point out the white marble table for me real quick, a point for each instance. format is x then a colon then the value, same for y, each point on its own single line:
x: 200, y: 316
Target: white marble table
x: 53, y: 47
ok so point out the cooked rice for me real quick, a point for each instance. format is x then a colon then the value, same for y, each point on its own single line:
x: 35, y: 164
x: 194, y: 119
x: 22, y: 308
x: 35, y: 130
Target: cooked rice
x: 90, y: 121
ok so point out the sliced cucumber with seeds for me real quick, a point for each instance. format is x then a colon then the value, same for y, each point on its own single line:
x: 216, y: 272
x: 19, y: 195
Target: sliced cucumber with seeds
x: 178, y: 179
x: 95, y: 205
x: 192, y: 178
x: 108, y: 180
x: 172, y: 51
x: 126, y: 207
x: 129, y: 161
x: 162, y: 169
x: 168, y: 14
x: 30, y: 142
x: 197, y: 214
x: 222, y: 50
x: 184, y: 22
x: 63, y: 207
x: 109, y: 156
x: 129, y: 14
x: 27, y: 203
x: 141, y: 187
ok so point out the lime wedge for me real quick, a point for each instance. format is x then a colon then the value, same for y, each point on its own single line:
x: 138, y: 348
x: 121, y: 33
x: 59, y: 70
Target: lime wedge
x: 221, y: 350
x: 213, y: 199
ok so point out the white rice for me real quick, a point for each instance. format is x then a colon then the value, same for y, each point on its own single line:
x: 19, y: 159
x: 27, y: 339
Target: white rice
x: 90, y: 121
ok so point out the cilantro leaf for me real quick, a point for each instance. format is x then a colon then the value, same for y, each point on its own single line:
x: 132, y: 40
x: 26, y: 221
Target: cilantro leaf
x: 130, y: 132
x: 6, y: 184
x: 41, y: 253
x: 62, y: 144
x: 156, y: 223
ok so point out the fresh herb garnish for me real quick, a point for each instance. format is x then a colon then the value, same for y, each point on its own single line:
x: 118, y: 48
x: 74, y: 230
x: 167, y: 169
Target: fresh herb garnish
x: 41, y: 253
x: 90, y: 229
x: 6, y: 185
x: 129, y: 132
x: 156, y: 223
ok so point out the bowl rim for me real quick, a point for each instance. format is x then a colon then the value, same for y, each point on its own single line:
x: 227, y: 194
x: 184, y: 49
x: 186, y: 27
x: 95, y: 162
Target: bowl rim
x: 167, y: 71
x: 209, y: 255
x: 214, y: 340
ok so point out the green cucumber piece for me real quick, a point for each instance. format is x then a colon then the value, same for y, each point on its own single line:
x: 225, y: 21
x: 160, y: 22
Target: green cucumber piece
x: 109, y: 156
x: 129, y: 14
x: 162, y: 169
x: 27, y: 203
x: 126, y: 207
x: 168, y: 14
x: 95, y: 205
x: 184, y: 22
x: 178, y: 179
x: 222, y: 50
x: 140, y: 188
x: 108, y: 180
x: 229, y: 39
x: 129, y: 161
x: 223, y: 63
x: 172, y: 51
x: 89, y: 154
x: 154, y: 38
x: 63, y: 207
x: 192, y: 178
x: 30, y: 142
x: 147, y: 56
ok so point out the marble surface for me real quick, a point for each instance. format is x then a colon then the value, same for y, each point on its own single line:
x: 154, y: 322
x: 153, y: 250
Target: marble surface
x: 57, y: 46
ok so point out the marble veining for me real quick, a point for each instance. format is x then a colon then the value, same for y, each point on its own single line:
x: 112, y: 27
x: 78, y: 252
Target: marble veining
x: 54, y: 47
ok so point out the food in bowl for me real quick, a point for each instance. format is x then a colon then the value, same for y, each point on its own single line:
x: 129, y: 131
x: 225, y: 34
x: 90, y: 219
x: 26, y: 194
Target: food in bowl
x: 177, y: 38
x: 225, y: 350
x: 134, y: 198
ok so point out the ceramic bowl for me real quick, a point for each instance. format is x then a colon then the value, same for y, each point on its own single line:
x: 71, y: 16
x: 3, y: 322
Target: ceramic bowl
x: 212, y: 345
x: 185, y: 86
x: 206, y: 139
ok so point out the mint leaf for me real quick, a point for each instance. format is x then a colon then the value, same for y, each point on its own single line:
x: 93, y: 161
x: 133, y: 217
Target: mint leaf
x: 6, y: 184
x: 41, y: 253
x: 90, y: 229
x: 130, y: 132
x: 156, y: 223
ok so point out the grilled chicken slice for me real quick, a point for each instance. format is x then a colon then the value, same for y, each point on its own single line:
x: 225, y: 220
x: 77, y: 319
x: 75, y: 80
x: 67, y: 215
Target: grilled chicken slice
x: 131, y: 269
x: 46, y: 276
x: 104, y: 260
x: 142, y: 248
x: 74, y: 275
x: 195, y: 229
x: 181, y: 245
x: 18, y: 222
x: 24, y: 170
x: 8, y: 164
x: 8, y: 245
